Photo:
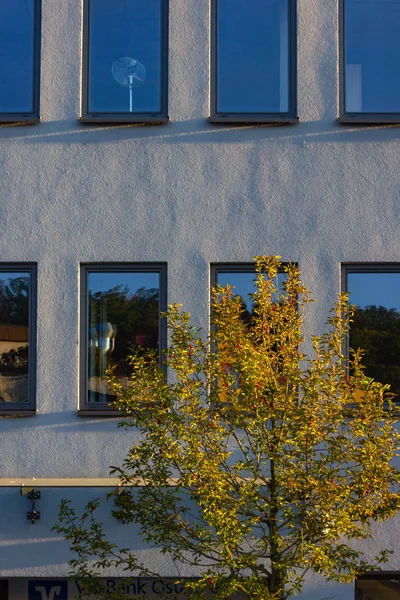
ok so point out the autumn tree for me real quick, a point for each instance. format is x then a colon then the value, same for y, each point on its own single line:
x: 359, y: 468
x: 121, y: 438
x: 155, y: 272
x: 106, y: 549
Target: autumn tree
x: 251, y: 462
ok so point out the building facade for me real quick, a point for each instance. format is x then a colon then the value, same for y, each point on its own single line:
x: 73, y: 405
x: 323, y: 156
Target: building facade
x: 143, y: 144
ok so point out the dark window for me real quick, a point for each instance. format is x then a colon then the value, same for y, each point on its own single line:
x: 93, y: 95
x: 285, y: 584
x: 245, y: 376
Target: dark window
x: 125, y: 60
x: 375, y: 292
x: 370, y: 47
x: 20, y: 60
x: 378, y: 586
x: 253, y: 60
x: 121, y: 312
x: 17, y: 337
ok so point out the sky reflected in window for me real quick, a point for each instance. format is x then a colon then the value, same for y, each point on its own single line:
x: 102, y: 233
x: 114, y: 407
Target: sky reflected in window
x: 372, y: 47
x: 379, y: 289
x: 252, y: 56
x: 125, y: 56
x: 244, y: 284
x: 17, y: 56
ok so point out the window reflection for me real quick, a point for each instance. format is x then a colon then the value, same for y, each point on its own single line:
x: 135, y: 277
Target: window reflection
x: 244, y: 284
x: 380, y: 587
x: 17, y: 53
x: 14, y: 337
x: 376, y: 325
x: 124, y: 310
x: 253, y: 56
x: 125, y: 56
x: 243, y: 281
x: 372, y: 46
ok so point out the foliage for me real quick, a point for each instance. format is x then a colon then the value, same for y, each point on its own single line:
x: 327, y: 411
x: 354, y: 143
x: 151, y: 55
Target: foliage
x: 14, y: 304
x: 254, y: 463
x: 14, y: 362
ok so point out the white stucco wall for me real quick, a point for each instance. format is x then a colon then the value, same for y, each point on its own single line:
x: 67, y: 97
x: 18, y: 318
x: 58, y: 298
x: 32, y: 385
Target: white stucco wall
x: 188, y: 193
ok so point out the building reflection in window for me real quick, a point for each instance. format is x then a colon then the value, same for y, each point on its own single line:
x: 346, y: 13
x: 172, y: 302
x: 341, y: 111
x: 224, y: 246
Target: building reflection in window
x: 123, y: 314
x: 14, y: 336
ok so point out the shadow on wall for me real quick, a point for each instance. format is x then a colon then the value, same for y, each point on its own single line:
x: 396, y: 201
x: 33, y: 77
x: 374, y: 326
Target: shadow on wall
x: 71, y: 423
x: 27, y: 553
x: 28, y: 547
x: 196, y: 131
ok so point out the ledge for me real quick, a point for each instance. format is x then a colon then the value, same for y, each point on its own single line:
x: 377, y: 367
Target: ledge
x: 372, y: 119
x: 16, y: 413
x: 20, y: 119
x: 254, y: 119
x: 99, y: 413
x: 124, y: 119
x: 60, y: 482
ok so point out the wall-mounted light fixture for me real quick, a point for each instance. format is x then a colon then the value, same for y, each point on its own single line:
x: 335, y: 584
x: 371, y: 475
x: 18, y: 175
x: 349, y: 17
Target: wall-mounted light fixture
x: 32, y: 495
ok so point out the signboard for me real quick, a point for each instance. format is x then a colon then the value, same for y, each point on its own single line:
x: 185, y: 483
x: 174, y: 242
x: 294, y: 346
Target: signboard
x: 68, y: 589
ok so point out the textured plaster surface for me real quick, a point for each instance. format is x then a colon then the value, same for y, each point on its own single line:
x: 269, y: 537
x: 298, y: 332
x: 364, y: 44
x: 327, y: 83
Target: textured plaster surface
x: 188, y: 193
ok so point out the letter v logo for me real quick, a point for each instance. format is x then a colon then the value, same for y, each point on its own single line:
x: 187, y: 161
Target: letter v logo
x: 51, y: 595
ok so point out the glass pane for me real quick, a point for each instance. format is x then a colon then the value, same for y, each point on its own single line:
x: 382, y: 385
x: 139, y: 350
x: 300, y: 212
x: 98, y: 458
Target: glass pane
x: 16, y: 55
x: 381, y: 588
x: 124, y: 311
x: 252, y: 56
x: 244, y: 285
x: 14, y: 336
x: 376, y: 326
x: 372, y: 47
x: 125, y: 56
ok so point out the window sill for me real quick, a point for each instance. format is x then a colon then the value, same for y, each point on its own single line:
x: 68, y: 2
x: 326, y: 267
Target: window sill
x: 19, y: 119
x: 15, y: 413
x: 99, y: 412
x: 369, y: 119
x: 254, y: 119
x: 127, y: 119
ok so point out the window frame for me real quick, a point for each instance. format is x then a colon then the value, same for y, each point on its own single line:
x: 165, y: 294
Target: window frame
x: 34, y: 116
x: 84, y: 408
x: 26, y: 408
x: 267, y: 117
x: 351, y: 117
x: 126, y: 117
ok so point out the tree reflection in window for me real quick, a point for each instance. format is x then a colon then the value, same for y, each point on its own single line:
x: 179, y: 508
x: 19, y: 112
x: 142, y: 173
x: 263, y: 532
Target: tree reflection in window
x: 376, y: 324
x: 376, y: 330
x: 14, y: 337
x: 121, y: 319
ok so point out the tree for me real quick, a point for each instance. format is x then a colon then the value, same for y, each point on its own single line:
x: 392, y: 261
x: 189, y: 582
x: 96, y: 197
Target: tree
x: 255, y: 463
